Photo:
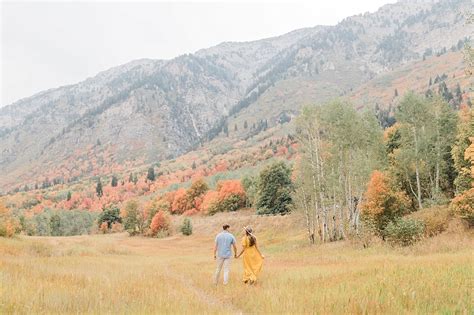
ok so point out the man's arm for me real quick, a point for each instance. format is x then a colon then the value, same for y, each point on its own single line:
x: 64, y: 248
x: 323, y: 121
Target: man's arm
x: 235, y: 250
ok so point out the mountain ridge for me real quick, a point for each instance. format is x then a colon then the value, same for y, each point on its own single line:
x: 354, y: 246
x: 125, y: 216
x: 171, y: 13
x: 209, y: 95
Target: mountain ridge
x: 150, y: 110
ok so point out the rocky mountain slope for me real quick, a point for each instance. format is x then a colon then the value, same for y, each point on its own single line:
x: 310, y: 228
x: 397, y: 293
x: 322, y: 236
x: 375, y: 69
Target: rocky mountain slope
x: 149, y: 110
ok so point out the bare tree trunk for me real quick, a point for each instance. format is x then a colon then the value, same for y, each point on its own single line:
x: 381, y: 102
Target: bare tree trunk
x: 309, y: 225
x: 417, y: 170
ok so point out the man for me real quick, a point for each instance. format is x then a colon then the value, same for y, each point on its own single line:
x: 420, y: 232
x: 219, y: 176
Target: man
x: 224, y: 241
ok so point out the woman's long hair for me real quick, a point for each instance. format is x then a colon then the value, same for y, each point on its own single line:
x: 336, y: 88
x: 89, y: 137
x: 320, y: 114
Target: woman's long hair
x: 252, y: 239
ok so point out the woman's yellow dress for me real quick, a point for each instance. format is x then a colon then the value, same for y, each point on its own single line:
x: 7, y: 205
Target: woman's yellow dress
x: 252, y: 261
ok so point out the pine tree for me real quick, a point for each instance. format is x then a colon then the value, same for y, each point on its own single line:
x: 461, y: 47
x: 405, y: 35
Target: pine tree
x: 187, y: 227
x: 114, y: 181
x: 98, y: 189
x: 151, y: 174
x: 69, y: 196
x: 246, y: 125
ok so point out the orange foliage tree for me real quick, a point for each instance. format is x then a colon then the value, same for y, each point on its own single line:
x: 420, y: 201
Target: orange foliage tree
x: 160, y: 222
x: 8, y: 224
x: 382, y: 203
x: 180, y: 202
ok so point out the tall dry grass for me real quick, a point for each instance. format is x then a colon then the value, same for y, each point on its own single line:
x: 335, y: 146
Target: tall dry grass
x: 118, y: 274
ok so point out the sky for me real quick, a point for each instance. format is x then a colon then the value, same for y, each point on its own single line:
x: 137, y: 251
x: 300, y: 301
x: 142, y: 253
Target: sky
x: 49, y: 44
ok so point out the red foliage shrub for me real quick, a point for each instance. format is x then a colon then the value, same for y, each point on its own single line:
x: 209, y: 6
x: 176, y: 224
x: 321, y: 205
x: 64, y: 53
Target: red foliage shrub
x: 159, y: 223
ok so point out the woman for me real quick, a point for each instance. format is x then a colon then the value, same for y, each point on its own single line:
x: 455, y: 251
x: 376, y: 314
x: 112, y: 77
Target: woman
x: 253, y: 259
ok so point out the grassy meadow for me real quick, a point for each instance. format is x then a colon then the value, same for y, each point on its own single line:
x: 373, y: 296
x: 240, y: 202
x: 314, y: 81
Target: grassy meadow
x: 114, y: 273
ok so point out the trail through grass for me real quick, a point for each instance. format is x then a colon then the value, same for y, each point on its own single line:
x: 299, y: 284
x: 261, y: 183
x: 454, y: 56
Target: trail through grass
x: 118, y: 274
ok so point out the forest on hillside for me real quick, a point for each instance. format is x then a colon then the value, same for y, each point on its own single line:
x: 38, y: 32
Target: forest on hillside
x: 348, y: 175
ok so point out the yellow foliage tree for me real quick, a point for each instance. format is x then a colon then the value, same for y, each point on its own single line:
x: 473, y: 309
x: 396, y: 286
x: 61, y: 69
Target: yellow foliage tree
x: 8, y: 224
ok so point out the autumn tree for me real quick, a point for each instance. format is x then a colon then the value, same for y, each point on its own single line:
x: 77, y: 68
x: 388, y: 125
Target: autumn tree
x: 274, y: 189
x: 196, y: 191
x: 180, y: 202
x: 465, y: 129
x: 383, y: 203
x: 8, y: 224
x: 159, y: 223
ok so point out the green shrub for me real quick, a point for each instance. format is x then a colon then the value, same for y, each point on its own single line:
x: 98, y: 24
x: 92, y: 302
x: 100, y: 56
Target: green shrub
x: 187, y: 227
x: 404, y: 231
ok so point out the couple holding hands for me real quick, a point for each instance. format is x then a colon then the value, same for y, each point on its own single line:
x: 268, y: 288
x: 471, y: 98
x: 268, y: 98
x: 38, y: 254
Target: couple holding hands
x: 252, y: 258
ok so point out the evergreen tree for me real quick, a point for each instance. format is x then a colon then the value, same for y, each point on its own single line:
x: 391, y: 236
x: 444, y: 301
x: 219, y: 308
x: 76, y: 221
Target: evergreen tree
x: 68, y: 196
x: 396, y: 92
x: 235, y: 127
x: 226, y: 129
x: 193, y: 166
x: 245, y: 125
x: 151, y: 174
x: 98, y: 189
x: 130, y: 178
x: 114, y: 181
x: 274, y: 189
x: 187, y: 227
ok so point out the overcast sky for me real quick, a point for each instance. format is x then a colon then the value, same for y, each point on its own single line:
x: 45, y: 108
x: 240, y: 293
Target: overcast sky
x: 49, y: 44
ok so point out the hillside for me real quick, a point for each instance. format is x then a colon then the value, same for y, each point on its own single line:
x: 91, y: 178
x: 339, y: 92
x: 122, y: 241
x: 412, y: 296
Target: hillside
x: 149, y: 111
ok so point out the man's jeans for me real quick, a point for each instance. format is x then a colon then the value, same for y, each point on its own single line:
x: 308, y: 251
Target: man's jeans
x: 222, y: 262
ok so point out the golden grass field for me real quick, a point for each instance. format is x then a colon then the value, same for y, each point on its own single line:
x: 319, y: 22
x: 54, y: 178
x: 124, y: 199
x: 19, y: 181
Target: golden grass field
x: 114, y: 273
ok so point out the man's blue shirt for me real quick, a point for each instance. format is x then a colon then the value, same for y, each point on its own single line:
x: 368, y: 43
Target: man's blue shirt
x: 224, y: 241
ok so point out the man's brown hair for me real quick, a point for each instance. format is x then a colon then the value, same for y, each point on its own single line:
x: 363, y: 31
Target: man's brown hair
x: 225, y: 226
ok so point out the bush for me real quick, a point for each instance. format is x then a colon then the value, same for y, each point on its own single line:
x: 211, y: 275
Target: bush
x: 187, y: 227
x: 435, y: 219
x: 404, y: 231
x: 159, y: 223
x: 463, y: 206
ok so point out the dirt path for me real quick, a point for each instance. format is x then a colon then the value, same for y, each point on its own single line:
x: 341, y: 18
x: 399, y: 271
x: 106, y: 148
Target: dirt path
x: 203, y: 296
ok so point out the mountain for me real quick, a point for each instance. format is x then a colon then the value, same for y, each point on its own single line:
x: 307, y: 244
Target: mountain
x: 151, y: 110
